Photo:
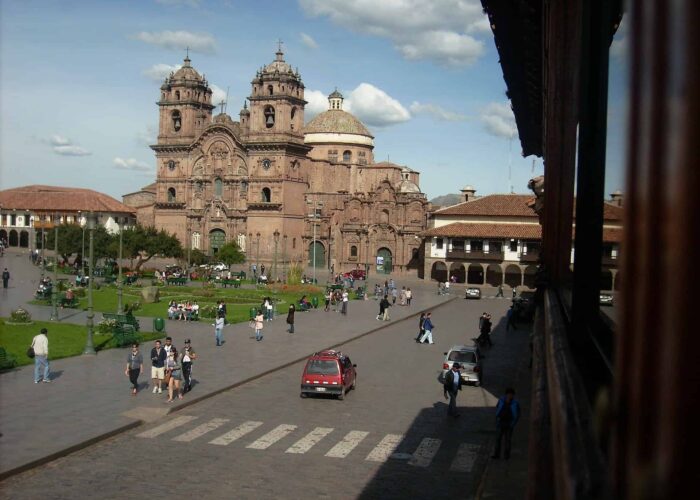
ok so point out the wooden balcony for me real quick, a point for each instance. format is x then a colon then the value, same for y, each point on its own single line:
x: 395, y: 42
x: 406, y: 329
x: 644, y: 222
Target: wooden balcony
x: 530, y: 257
x: 463, y: 255
x: 264, y: 206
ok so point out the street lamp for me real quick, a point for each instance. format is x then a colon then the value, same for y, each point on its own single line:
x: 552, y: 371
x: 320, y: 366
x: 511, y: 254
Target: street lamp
x: 120, y: 285
x: 82, y: 254
x: 315, y: 215
x: 54, y: 288
x: 43, y: 244
x: 276, y: 236
x: 284, y: 257
x: 89, y: 347
x: 257, y: 256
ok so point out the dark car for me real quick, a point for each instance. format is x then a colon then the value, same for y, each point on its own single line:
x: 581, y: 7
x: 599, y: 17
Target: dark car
x: 328, y: 372
x: 356, y: 274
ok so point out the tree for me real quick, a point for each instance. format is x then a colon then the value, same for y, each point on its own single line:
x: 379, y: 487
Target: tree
x: 231, y: 253
x: 197, y: 257
x: 70, y: 241
x: 144, y: 243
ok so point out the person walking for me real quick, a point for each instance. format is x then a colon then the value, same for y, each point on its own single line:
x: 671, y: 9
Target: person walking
x: 290, y: 318
x: 40, y: 344
x: 259, y: 320
x: 507, y: 415
x: 5, y: 278
x: 173, y: 368
x: 409, y: 296
x: 345, y: 299
x: 270, y: 308
x: 499, y: 292
x: 402, y: 296
x: 134, y: 367
x: 329, y: 297
x: 158, y: 357
x: 451, y: 386
x: 218, y: 329
x: 427, y: 329
x: 420, y: 327
x: 386, y: 316
x: 188, y: 357
x: 510, y: 319
x: 485, y: 329
x: 394, y: 295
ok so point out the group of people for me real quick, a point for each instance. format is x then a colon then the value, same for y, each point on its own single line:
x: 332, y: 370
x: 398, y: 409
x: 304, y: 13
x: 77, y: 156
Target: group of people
x: 169, y: 368
x: 183, y: 311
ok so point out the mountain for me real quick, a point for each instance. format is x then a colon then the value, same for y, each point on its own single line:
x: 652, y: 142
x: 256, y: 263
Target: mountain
x: 447, y: 199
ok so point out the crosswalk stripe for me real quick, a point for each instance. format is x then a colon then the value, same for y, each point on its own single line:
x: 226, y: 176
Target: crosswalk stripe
x: 201, y: 430
x: 426, y: 451
x: 465, y: 458
x: 167, y: 426
x: 272, y: 437
x: 308, y: 441
x: 237, y: 433
x: 385, y: 448
x: 347, y: 444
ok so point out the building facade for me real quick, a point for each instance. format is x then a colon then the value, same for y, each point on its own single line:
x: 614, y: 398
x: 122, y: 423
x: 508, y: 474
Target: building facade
x: 279, y: 188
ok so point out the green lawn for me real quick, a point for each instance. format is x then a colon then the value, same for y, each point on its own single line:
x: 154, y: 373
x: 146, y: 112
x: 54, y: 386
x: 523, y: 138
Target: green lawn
x: 65, y: 339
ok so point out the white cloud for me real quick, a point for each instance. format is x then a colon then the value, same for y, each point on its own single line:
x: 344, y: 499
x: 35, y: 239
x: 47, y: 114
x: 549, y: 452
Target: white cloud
x: 188, y: 3
x: 148, y: 136
x: 58, y: 140
x: 65, y: 147
x: 217, y: 94
x: 498, y: 119
x: 158, y: 72
x: 317, y: 103
x: 198, y: 42
x: 373, y: 106
x: 437, y: 112
x: 308, y: 41
x: 131, y: 164
x: 442, y: 31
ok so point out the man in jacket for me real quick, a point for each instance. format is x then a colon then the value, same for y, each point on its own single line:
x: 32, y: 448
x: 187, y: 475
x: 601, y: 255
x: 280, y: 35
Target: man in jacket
x: 383, y: 306
x: 158, y: 356
x: 507, y: 415
x: 5, y: 278
x: 485, y: 329
x: 428, y: 329
x: 40, y: 344
x: 452, y: 385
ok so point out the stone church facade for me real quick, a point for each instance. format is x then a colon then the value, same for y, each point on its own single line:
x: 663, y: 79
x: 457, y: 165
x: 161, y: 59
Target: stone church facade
x: 270, y: 182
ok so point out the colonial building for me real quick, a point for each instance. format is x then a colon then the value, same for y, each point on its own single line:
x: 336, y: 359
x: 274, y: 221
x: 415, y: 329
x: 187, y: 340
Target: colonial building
x: 496, y: 239
x: 274, y: 185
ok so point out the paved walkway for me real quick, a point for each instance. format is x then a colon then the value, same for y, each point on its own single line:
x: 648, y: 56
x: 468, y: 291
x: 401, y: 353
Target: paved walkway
x: 90, y: 397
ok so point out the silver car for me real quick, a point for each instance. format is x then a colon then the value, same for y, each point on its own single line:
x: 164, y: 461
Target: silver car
x: 472, y: 293
x: 470, y: 359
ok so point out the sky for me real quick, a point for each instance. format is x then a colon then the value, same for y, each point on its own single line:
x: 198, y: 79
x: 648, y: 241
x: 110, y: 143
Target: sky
x: 79, y: 81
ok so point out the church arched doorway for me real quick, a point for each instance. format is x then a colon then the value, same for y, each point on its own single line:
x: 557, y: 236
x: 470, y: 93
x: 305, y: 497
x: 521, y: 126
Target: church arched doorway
x: 514, y: 276
x: 530, y: 276
x: 439, y: 272
x: 217, y: 239
x: 317, y: 254
x: 475, y: 274
x: 24, y: 239
x: 384, y: 261
x: 3, y: 235
x: 457, y: 273
x: 13, y: 240
x: 494, y: 275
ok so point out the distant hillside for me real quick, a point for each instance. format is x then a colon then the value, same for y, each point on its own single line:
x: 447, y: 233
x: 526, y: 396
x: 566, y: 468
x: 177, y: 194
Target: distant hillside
x: 446, y: 200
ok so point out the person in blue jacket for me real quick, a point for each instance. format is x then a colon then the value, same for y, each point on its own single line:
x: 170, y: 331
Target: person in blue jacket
x: 507, y: 415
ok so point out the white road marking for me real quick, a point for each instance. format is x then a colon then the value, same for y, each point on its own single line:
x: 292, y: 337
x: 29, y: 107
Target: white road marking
x: 237, y: 433
x: 167, y: 426
x: 385, y: 448
x: 272, y: 437
x: 201, y: 430
x: 308, y: 441
x: 347, y: 444
x: 465, y: 458
x: 426, y: 451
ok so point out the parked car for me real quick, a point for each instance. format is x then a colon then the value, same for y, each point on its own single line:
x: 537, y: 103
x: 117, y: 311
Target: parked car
x: 328, y: 372
x: 220, y: 266
x: 472, y: 293
x: 606, y: 299
x: 356, y: 274
x: 471, y: 361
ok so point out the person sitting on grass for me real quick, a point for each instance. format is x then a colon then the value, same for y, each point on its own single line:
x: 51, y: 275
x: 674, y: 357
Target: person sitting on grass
x: 304, y: 303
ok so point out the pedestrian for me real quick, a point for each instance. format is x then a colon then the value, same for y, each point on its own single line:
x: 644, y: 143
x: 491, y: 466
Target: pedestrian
x: 447, y: 287
x: 40, y: 344
x: 290, y: 318
x: 515, y: 291
x: 402, y: 296
x: 485, y: 329
x: 394, y: 295
x: 254, y: 268
x: 499, y: 293
x: 409, y: 296
x: 173, y: 369
x: 188, y: 357
x: 5, y: 278
x: 158, y: 357
x: 168, y: 345
x: 134, y: 367
x: 262, y: 269
x: 218, y: 329
x: 507, y: 415
x: 510, y: 319
x: 345, y: 299
x: 382, y: 306
x: 451, y: 386
x: 427, y: 329
x: 387, y: 305
x: 420, y: 327
x: 259, y: 319
x: 329, y: 297
x: 270, y: 308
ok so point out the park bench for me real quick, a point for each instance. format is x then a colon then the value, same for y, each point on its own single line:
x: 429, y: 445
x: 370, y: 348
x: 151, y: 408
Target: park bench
x: 240, y: 275
x: 177, y: 281
x: 7, y: 361
x: 235, y: 283
x: 360, y: 293
x: 43, y: 295
x: 123, y: 319
x: 130, y: 279
x: 63, y: 301
x: 125, y: 335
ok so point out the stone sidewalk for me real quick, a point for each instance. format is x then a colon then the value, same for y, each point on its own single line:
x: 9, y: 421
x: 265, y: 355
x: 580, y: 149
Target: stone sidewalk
x: 89, y: 397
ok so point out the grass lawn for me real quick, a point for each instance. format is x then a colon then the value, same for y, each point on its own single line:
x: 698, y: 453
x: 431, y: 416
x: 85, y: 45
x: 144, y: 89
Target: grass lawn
x: 65, y: 339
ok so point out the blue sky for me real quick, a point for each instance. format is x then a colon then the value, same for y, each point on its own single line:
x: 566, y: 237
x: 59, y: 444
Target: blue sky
x: 79, y: 81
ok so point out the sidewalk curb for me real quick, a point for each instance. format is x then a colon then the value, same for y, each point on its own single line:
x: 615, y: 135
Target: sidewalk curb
x: 136, y: 423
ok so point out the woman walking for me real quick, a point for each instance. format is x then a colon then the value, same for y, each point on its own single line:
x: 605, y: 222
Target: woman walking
x: 409, y: 296
x: 218, y: 329
x: 134, y: 366
x: 290, y: 318
x: 259, y: 319
x: 421, y: 330
x: 173, y: 368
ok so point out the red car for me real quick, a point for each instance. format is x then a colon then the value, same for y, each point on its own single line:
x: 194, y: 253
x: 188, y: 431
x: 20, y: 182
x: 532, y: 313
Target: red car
x: 328, y: 372
x: 356, y: 274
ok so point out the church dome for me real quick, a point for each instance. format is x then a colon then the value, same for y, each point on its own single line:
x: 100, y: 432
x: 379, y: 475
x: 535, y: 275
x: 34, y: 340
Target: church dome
x: 187, y: 72
x: 336, y: 121
x: 406, y: 186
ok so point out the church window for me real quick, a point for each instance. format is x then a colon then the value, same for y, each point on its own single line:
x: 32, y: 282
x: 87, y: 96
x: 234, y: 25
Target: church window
x: 196, y: 240
x: 177, y: 95
x: 294, y: 112
x: 218, y: 187
x: 266, y: 195
x: 244, y: 187
x: 353, y: 251
x: 269, y: 114
x: 177, y: 120
x: 171, y: 195
x: 282, y: 88
x: 438, y: 243
x: 270, y: 89
x: 347, y: 156
x: 294, y: 243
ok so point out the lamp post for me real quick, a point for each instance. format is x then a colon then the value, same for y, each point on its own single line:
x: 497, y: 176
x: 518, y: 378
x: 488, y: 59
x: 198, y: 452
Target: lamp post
x: 43, y: 244
x: 284, y: 257
x: 120, y: 285
x: 315, y: 215
x: 257, y: 256
x: 276, y: 236
x: 89, y: 347
x: 54, y: 288
x: 82, y: 254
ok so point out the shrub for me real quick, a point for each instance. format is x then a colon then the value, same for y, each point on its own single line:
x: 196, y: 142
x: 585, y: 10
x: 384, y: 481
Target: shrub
x: 62, y: 286
x: 20, y: 315
x: 208, y: 311
x: 79, y: 292
x: 294, y: 273
x: 106, y: 325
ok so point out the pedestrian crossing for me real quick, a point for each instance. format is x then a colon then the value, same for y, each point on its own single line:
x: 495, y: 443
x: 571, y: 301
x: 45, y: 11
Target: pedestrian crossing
x: 338, y: 446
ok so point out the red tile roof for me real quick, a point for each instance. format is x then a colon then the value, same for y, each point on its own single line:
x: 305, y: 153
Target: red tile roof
x: 493, y: 204
x: 495, y: 230
x: 39, y: 198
